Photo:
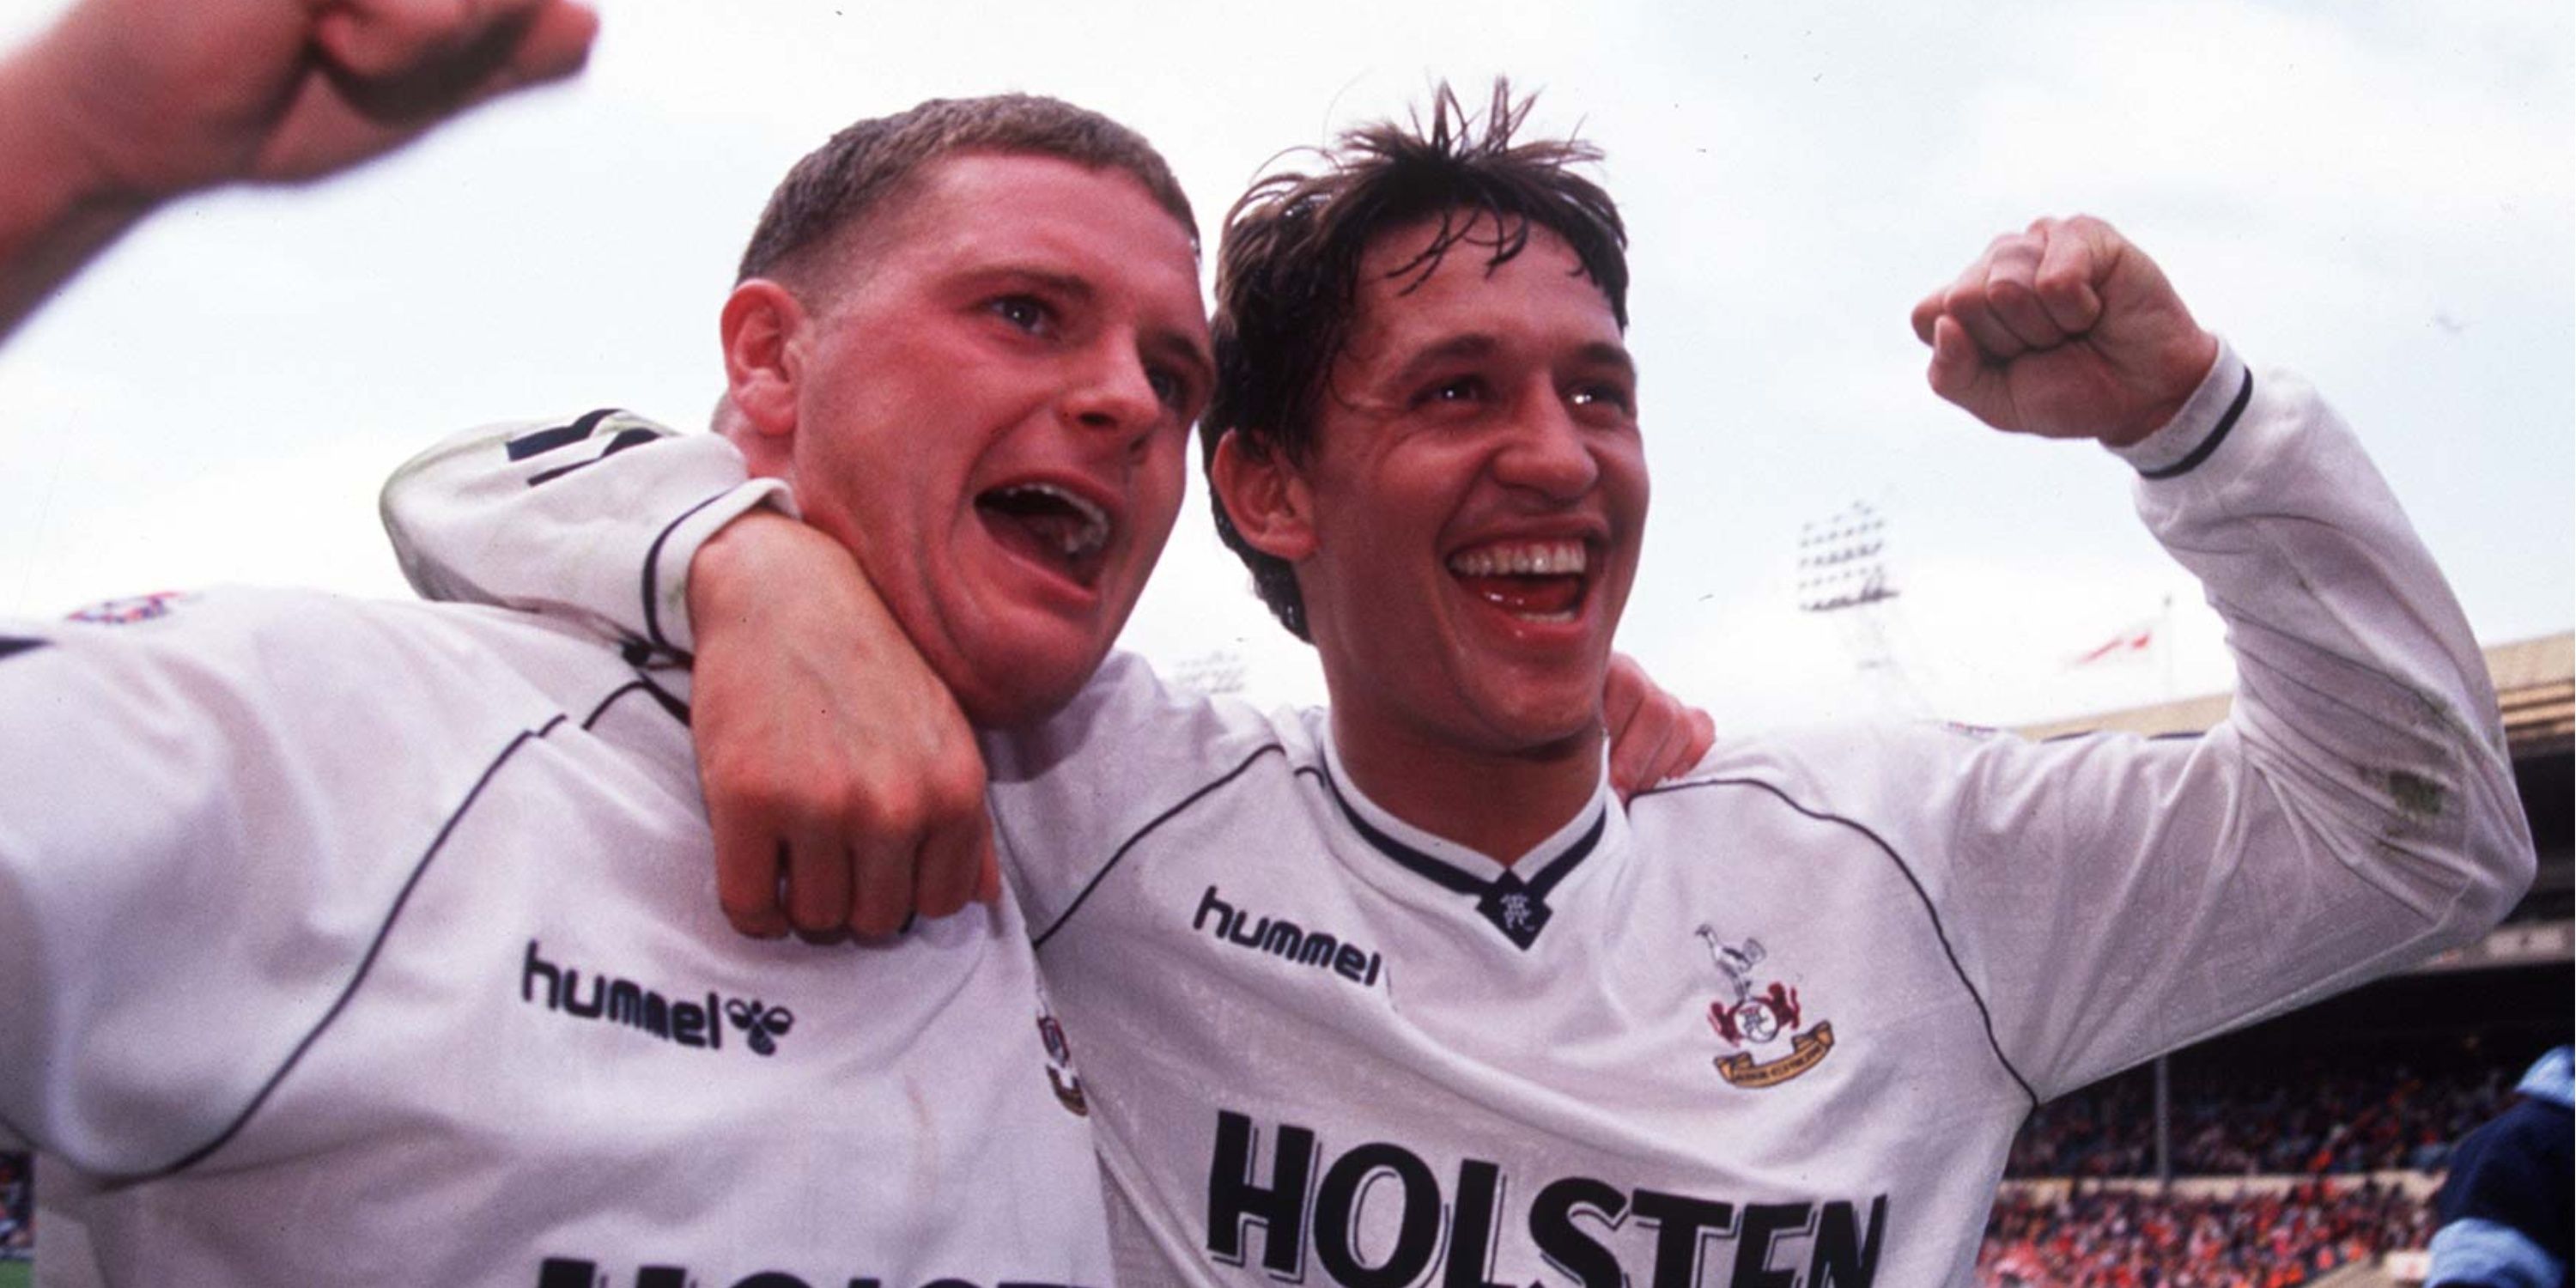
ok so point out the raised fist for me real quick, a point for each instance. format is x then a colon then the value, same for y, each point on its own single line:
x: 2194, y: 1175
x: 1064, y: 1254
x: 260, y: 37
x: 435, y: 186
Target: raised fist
x: 2065, y: 330
x: 161, y: 97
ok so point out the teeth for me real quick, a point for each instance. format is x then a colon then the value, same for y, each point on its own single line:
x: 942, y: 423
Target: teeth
x: 1527, y: 559
x: 1075, y: 541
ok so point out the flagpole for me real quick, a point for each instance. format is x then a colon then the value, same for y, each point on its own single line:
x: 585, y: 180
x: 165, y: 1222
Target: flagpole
x: 2164, y: 647
x: 2164, y: 1059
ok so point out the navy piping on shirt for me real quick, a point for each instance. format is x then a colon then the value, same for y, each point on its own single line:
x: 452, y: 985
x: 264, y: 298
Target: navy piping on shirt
x: 652, y: 575
x: 664, y: 698
x: 1939, y: 932
x: 546, y: 440
x: 1516, y: 907
x: 1124, y: 847
x: 2244, y: 395
x: 366, y: 963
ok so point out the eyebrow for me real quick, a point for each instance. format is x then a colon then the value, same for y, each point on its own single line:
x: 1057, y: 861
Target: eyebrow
x: 1080, y: 288
x: 1602, y: 353
x: 1471, y: 345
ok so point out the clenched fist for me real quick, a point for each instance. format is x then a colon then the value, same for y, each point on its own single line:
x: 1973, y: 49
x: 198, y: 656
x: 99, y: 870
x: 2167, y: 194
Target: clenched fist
x: 162, y: 97
x: 126, y: 104
x: 2065, y: 330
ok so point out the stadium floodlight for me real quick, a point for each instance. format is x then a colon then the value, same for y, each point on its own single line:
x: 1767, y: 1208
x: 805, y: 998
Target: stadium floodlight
x: 1842, y: 573
x: 1208, y: 674
x: 1842, y: 561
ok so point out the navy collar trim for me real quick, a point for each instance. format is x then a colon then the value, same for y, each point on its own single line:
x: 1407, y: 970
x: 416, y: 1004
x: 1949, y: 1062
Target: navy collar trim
x: 1517, y: 908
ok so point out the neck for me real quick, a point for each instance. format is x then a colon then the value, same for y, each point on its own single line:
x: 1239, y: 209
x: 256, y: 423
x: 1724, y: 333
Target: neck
x: 763, y: 455
x: 1496, y: 803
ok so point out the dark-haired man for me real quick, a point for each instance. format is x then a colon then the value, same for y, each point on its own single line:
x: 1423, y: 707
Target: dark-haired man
x: 1397, y: 993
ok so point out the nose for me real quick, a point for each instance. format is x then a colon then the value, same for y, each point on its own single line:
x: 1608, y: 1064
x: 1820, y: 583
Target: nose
x: 1547, y: 453
x: 1113, y: 393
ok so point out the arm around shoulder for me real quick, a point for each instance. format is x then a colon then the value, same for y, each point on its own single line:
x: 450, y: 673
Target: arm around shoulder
x: 594, y: 519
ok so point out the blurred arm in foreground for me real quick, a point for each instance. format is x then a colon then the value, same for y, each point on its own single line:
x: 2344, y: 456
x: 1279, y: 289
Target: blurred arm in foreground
x: 126, y: 104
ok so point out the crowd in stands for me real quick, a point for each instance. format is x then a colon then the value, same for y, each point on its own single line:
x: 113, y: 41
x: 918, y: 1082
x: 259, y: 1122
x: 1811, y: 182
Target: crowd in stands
x: 2311, y: 1116
x: 17, y: 1207
x: 2543, y: 905
x: 2139, y: 1239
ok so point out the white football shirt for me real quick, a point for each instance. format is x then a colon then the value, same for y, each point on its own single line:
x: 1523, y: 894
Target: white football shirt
x: 351, y: 943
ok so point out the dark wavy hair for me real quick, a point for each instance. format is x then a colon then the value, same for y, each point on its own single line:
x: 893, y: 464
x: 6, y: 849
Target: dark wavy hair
x: 863, y: 171
x: 1288, y: 266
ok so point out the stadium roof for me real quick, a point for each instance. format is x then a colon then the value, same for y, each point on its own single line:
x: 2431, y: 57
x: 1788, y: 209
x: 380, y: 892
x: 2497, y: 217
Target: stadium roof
x: 2535, y: 683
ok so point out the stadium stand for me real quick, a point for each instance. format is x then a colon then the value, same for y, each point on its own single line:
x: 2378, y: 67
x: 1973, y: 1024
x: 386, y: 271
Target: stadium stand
x: 2191, y: 1238
x: 2307, y: 1149
x: 2299, y: 1113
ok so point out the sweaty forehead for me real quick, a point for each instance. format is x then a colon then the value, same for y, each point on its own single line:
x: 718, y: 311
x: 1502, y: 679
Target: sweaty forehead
x: 981, y: 211
x: 1407, y: 300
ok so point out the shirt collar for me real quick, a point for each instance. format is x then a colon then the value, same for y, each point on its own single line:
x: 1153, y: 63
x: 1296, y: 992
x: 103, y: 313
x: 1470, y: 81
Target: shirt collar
x: 1514, y: 898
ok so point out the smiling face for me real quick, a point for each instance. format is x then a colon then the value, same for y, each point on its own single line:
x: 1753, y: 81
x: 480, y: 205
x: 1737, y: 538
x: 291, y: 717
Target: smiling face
x: 988, y: 400
x: 1472, y: 508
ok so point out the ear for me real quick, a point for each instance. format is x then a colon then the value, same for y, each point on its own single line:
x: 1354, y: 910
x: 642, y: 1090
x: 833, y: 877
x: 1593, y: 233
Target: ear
x: 1268, y: 499
x: 763, y: 329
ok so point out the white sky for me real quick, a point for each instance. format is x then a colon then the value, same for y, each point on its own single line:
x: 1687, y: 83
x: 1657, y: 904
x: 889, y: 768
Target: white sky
x: 2377, y: 194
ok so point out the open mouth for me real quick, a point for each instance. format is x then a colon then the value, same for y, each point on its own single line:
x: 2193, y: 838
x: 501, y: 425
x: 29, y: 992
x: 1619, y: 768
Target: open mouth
x: 1048, y: 526
x: 1541, y: 581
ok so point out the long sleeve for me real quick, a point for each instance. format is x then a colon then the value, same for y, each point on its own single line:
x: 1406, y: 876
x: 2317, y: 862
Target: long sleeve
x: 2355, y: 812
x: 591, y: 520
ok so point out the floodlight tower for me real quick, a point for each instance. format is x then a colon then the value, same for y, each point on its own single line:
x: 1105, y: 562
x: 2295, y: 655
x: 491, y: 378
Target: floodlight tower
x: 1842, y: 573
x: 1208, y: 674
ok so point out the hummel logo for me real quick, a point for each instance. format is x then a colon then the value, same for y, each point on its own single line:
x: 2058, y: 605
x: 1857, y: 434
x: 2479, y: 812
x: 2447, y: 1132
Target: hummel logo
x: 621, y: 1001
x: 764, y: 1026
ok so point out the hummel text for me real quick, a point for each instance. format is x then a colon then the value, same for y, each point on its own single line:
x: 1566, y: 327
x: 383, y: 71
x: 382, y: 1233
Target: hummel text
x: 622, y: 1001
x: 1285, y: 939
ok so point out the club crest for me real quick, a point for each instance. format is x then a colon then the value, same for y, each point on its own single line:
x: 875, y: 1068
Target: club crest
x: 126, y: 612
x: 1059, y: 1067
x: 1762, y: 1019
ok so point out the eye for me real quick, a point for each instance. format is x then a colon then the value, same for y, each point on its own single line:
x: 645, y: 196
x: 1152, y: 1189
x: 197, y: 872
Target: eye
x: 1460, y: 389
x: 1603, y: 394
x: 1026, y: 312
x: 1169, y: 386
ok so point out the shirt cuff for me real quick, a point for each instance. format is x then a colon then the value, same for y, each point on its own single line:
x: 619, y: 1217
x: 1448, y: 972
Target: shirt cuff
x: 2181, y: 444
x: 666, y: 564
